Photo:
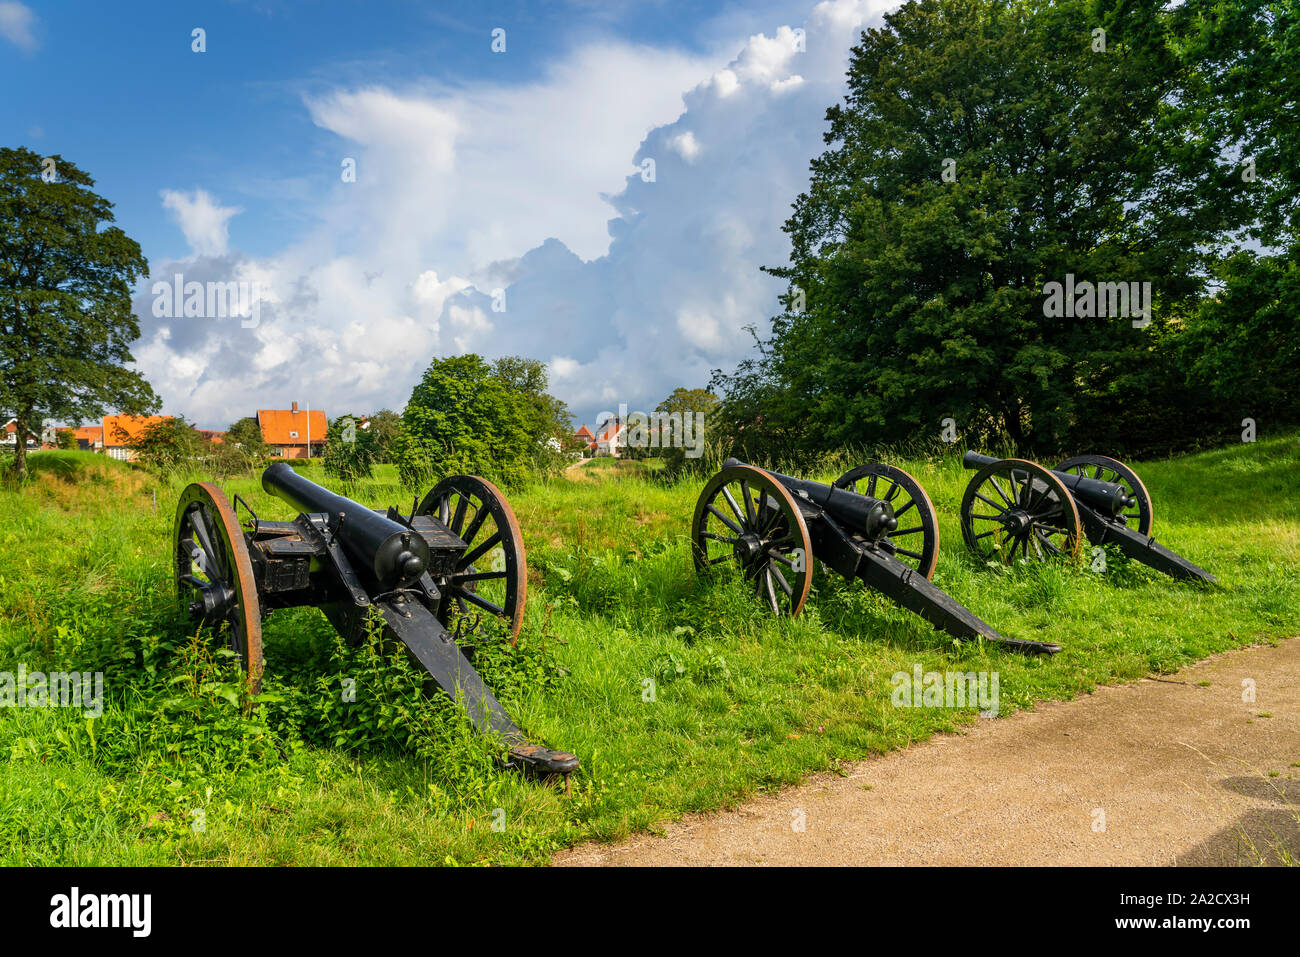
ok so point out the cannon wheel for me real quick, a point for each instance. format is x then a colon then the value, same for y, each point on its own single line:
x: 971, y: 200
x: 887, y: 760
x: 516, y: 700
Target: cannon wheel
x: 916, y: 540
x: 492, y: 574
x: 214, y: 576
x: 1018, y: 506
x: 760, y: 535
x: 1107, y: 469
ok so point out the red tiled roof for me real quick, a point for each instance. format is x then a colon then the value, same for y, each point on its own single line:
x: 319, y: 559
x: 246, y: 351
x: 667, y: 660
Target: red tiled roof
x: 90, y: 433
x: 278, y: 425
x: 584, y: 433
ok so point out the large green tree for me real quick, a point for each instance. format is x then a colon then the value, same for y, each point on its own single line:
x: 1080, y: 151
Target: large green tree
x: 548, y: 421
x: 385, y: 425
x: 549, y: 417
x: 1240, y: 352
x: 462, y: 417
x: 171, y: 444
x: 66, y: 323
x: 984, y: 149
x: 700, y: 405
x: 246, y: 435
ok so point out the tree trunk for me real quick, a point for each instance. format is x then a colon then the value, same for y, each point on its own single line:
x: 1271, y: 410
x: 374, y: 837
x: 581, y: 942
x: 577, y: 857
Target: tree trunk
x: 1014, y: 430
x: 20, y: 444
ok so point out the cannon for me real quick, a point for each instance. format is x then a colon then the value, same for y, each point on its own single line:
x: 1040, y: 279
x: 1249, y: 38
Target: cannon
x: 874, y: 523
x: 1014, y: 507
x: 458, y: 553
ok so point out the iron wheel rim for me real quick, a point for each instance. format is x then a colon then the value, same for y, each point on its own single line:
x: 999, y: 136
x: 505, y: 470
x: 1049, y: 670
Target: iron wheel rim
x: 1014, y: 504
x: 766, y: 537
x: 210, y: 554
x: 498, y: 584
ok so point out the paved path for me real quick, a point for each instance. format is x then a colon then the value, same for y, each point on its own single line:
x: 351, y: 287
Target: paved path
x: 1178, y: 772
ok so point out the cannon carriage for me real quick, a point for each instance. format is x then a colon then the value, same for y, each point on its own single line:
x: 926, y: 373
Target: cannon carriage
x: 430, y: 577
x: 1015, y: 508
x: 875, y: 523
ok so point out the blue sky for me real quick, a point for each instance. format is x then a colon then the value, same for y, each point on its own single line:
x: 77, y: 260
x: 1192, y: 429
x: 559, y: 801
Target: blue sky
x: 501, y: 202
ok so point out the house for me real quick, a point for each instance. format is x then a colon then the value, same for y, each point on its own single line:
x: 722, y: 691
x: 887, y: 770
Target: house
x: 122, y: 432
x: 293, y: 433
x: 9, y: 432
x: 90, y: 438
x: 610, y: 437
x: 588, y: 440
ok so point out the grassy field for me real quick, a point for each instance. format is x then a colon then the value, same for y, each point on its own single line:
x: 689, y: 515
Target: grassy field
x: 173, y: 772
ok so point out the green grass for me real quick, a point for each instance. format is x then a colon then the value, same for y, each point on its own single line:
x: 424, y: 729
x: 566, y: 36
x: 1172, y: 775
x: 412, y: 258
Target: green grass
x: 742, y: 703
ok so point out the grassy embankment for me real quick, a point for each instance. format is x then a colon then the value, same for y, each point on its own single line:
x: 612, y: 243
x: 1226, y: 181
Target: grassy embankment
x: 172, y: 771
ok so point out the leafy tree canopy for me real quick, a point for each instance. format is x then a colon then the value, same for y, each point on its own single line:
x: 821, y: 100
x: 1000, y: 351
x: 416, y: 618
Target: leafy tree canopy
x: 171, y: 444
x: 66, y: 273
x: 385, y: 425
x: 462, y: 417
x: 985, y: 149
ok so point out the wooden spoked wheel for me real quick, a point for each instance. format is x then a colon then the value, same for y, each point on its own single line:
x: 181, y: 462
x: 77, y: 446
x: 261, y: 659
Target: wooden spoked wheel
x: 746, y: 516
x: 1106, y: 469
x: 916, y: 540
x: 1018, y: 509
x: 491, y: 575
x: 214, y: 576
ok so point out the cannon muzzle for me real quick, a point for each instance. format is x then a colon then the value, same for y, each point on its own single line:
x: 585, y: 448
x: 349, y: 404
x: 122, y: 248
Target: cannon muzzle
x: 394, y: 554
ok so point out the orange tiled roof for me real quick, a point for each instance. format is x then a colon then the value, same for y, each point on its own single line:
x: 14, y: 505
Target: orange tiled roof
x: 90, y: 433
x: 127, y: 429
x: 584, y: 433
x: 277, y: 424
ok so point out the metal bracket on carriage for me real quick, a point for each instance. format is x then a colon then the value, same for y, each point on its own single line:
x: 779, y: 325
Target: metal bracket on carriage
x: 257, y: 523
x: 319, y: 526
x: 462, y: 628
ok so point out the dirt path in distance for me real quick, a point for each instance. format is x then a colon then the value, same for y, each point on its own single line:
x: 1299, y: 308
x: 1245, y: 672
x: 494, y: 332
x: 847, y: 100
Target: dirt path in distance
x: 1177, y: 772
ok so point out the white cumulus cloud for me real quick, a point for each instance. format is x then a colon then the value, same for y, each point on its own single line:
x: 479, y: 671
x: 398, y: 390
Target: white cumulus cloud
x: 16, y: 23
x: 629, y: 287
x: 206, y: 224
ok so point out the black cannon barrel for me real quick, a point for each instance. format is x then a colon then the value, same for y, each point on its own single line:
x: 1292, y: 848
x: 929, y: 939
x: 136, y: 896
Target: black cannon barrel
x: 1108, y: 496
x: 974, y: 460
x: 389, y: 551
x: 872, y: 516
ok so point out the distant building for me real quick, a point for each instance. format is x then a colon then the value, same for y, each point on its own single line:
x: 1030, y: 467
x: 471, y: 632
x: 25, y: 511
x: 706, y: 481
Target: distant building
x: 9, y: 436
x: 610, y: 437
x: 90, y: 438
x: 122, y: 432
x: 214, y: 436
x: 588, y: 440
x: 293, y: 433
